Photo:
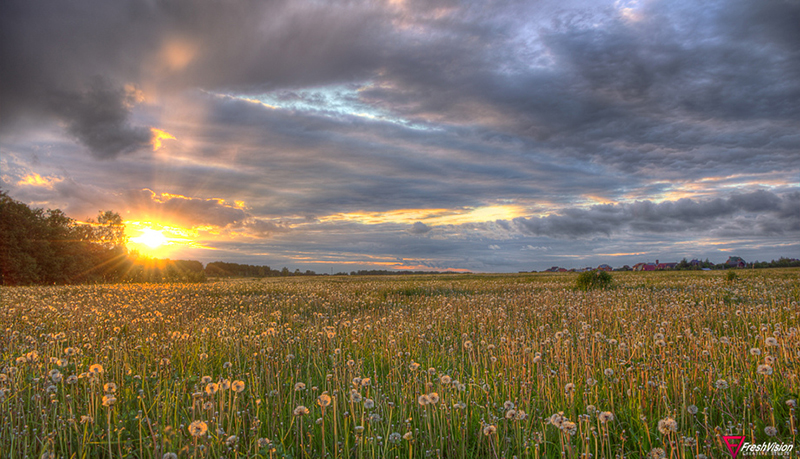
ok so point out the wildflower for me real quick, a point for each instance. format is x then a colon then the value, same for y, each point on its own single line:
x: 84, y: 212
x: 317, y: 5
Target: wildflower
x: 110, y: 387
x: 667, y: 425
x: 225, y: 384
x: 791, y: 403
x: 692, y: 409
x: 300, y: 411
x: 771, y: 431
x: 721, y: 384
x: 557, y: 419
x: 489, y: 430
x: 324, y: 400
x: 570, y: 387
x: 608, y: 372
x: 510, y: 414
x: 606, y: 416
x: 70, y: 351
x: 569, y: 427
x: 764, y: 370
x: 408, y: 436
x: 109, y: 400
x: 508, y: 405
x: 460, y: 405
x: 395, y: 437
x: 263, y: 442
x: 365, y: 382
x: 169, y: 456
x: 657, y: 453
x: 414, y: 366
x: 445, y: 379
x: 771, y: 341
x: 212, y: 388
x: 206, y: 379
x: 369, y: 403
x: 237, y: 386
x: 434, y: 398
x: 755, y: 351
x: 96, y: 369
x: 374, y: 417
x: 355, y: 396
x: 198, y: 428
x: 467, y: 345
x: 227, y: 365
x: 232, y: 440
x: 423, y: 400
x: 72, y: 379
x: 56, y: 376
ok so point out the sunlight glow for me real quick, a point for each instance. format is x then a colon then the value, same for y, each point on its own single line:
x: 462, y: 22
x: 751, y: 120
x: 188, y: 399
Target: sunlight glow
x: 151, y: 238
x: 432, y: 216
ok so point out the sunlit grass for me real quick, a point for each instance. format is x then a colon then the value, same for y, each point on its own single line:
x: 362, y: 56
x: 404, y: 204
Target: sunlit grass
x: 461, y: 366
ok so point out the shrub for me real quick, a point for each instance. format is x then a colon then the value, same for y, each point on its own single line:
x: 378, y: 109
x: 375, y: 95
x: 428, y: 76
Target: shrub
x: 590, y: 280
x: 730, y: 276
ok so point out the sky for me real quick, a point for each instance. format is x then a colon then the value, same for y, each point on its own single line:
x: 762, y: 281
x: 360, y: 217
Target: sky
x: 496, y: 136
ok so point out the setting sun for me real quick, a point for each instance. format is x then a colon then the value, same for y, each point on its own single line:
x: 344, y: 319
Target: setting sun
x: 151, y: 238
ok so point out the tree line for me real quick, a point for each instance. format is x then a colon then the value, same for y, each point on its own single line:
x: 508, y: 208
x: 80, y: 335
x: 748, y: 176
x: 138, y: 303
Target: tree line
x: 47, y: 247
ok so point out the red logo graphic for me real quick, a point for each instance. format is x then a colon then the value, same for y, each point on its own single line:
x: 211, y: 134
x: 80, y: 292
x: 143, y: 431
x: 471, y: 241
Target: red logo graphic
x: 734, y: 443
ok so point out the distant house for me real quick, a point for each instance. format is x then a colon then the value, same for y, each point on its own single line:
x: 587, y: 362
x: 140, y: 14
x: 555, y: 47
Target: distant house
x: 605, y: 267
x: 563, y: 270
x: 695, y: 262
x: 644, y: 267
x: 666, y: 265
x: 735, y: 262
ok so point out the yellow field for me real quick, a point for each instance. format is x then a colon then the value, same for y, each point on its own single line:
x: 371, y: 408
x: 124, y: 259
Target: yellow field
x: 661, y: 365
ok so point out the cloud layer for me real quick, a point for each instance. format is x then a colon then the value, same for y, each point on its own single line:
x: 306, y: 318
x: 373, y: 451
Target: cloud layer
x: 441, y: 133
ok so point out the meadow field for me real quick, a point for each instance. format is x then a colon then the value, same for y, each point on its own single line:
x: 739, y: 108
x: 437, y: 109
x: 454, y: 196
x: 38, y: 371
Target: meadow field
x: 662, y: 365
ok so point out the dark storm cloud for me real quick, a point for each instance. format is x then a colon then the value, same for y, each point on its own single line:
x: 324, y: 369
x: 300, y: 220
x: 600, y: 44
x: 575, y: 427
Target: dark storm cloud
x: 51, y: 53
x: 419, y: 228
x: 98, y: 118
x: 757, y: 213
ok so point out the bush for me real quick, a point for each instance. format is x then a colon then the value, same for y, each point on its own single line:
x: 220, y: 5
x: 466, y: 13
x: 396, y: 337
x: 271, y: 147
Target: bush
x: 730, y: 276
x: 590, y: 280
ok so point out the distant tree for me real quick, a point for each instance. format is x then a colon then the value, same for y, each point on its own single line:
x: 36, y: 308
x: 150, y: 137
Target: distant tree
x: 596, y: 279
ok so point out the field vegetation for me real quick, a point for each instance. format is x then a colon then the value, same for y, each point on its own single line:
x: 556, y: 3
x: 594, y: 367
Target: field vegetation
x: 657, y: 365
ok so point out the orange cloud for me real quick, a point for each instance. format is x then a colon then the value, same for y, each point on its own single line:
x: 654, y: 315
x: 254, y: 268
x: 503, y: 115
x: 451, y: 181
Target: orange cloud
x: 158, y: 137
x: 37, y: 180
x: 431, y: 216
